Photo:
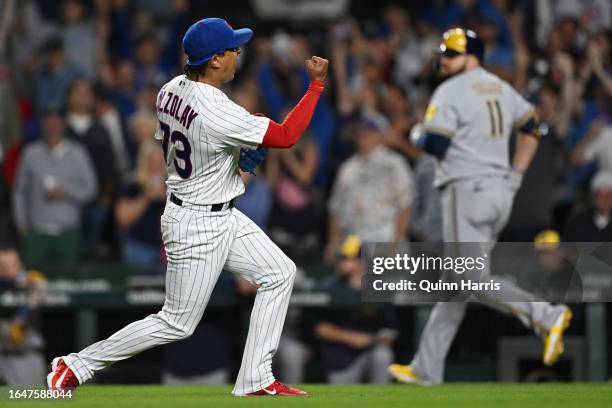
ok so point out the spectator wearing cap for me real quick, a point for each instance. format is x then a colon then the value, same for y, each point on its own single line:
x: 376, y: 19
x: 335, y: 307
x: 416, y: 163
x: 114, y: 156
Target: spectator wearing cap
x: 55, y: 178
x: 593, y: 224
x: 355, y: 343
x: 553, y: 277
x: 372, y: 193
x: 53, y: 76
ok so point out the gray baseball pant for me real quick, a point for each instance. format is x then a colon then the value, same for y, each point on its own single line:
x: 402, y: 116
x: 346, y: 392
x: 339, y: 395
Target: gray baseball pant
x: 476, y: 210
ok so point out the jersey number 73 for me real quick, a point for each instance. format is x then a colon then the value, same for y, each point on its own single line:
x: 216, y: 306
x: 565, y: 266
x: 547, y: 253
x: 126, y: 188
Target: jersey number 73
x: 182, y: 150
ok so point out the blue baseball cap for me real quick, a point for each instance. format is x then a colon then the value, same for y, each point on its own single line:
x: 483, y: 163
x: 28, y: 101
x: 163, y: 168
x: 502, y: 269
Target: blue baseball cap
x: 212, y: 36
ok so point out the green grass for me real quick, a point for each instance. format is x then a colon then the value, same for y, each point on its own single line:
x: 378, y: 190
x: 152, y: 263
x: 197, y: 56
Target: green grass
x: 479, y: 395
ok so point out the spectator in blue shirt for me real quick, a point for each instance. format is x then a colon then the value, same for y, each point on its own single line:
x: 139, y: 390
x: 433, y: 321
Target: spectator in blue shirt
x: 53, y: 76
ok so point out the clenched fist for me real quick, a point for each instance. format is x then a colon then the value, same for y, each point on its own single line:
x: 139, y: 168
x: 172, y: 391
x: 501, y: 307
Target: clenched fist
x: 317, y: 68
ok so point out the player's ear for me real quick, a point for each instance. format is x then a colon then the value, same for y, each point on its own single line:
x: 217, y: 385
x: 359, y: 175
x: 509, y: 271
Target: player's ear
x: 215, y: 61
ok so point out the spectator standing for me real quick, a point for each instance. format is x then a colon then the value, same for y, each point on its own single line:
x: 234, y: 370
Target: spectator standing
x: 53, y: 76
x: 111, y: 120
x: 84, y: 127
x: 153, y: 64
x: 596, y: 146
x: 372, y: 193
x: 55, y: 178
x: 84, y: 43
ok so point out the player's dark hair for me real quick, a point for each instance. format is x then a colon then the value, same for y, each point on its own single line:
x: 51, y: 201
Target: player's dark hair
x: 193, y: 72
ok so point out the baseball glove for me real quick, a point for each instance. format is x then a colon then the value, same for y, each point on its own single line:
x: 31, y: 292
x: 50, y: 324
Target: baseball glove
x: 250, y: 159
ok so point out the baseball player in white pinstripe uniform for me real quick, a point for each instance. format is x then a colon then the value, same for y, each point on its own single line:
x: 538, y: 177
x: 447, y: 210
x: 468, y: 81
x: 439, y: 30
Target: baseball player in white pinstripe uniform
x: 206, y: 138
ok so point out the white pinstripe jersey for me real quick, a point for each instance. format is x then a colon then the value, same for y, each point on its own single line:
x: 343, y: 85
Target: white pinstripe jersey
x: 202, y: 131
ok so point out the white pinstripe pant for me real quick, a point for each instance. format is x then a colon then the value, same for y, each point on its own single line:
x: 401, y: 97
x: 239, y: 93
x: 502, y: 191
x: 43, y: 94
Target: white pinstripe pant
x: 199, y: 245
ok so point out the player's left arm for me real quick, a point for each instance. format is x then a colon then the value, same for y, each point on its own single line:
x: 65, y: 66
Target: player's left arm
x: 249, y: 160
x: 286, y: 134
x: 234, y: 126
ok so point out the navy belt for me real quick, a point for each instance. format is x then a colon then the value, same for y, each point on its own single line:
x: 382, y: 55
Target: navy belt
x: 213, y: 207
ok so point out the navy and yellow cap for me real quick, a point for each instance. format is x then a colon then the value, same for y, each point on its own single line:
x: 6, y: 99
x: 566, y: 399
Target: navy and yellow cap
x: 457, y: 41
x: 212, y: 36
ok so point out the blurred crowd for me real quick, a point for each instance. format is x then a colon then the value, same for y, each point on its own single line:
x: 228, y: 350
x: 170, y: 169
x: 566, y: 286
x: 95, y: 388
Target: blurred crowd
x: 83, y: 179
x: 82, y: 176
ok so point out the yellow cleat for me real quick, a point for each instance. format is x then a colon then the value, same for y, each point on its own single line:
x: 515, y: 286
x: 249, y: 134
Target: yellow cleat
x: 35, y: 277
x: 553, y: 343
x: 404, y: 374
x: 16, y: 334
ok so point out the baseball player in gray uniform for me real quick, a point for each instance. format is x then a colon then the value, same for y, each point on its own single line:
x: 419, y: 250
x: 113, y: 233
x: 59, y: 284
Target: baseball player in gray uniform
x: 206, y: 138
x: 467, y: 127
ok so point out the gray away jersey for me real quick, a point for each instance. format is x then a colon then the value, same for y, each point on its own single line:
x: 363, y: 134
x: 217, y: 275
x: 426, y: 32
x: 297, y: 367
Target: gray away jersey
x: 202, y: 131
x: 478, y: 111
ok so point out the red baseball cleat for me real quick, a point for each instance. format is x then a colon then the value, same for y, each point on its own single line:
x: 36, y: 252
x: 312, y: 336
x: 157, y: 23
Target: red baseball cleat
x: 277, y: 388
x: 61, y: 376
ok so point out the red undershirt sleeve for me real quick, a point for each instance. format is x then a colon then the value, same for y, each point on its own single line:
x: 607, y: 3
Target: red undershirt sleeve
x: 286, y: 134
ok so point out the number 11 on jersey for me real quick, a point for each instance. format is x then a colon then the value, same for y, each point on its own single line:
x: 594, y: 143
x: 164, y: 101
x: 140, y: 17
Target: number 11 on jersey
x: 495, y: 115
